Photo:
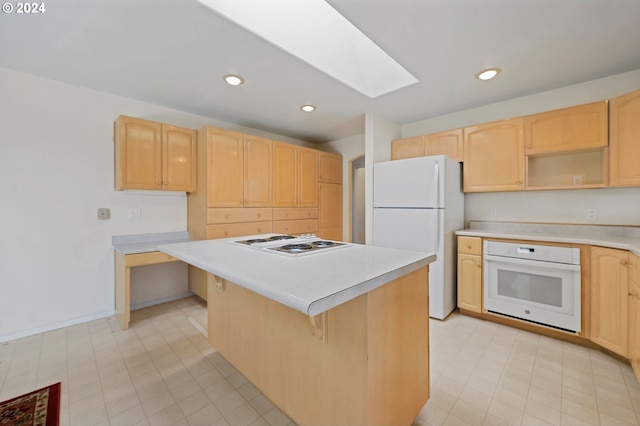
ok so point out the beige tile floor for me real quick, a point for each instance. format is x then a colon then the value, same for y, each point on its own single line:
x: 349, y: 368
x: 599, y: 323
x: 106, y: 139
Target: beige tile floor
x: 162, y: 371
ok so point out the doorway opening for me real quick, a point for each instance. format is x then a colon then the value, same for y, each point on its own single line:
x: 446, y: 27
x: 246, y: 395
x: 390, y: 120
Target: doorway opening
x: 357, y: 200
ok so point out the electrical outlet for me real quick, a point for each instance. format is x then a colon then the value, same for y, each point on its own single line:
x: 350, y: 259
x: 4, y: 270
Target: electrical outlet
x: 592, y: 214
x: 493, y: 213
x: 135, y: 213
x: 103, y: 213
x: 577, y: 180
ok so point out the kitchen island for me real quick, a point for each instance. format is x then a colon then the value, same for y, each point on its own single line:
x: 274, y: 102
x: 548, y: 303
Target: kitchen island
x: 334, y: 338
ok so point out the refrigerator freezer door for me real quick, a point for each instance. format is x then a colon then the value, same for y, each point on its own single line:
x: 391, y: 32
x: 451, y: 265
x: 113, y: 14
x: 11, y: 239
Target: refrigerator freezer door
x: 413, y: 182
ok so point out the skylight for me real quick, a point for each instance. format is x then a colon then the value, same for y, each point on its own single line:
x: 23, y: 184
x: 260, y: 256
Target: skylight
x: 316, y: 33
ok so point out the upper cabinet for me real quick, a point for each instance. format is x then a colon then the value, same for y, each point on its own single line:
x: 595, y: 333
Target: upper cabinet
x: 239, y: 169
x: 258, y: 172
x: 494, y: 156
x: 624, y: 150
x: 407, y: 148
x: 568, y: 129
x: 225, y: 167
x: 330, y: 167
x: 155, y: 156
x: 447, y: 143
x: 295, y: 177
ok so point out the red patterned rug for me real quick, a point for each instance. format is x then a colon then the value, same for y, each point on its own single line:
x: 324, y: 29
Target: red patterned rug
x: 38, y: 408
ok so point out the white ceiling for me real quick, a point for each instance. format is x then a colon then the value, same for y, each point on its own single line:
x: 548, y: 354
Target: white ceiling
x: 174, y: 53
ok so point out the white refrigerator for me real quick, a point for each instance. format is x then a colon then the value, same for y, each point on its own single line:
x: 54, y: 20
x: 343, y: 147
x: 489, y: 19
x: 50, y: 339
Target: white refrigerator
x: 418, y: 204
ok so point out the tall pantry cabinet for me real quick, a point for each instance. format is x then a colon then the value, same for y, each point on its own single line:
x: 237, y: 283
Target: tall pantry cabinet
x: 251, y: 185
x: 330, y: 196
x: 234, y: 191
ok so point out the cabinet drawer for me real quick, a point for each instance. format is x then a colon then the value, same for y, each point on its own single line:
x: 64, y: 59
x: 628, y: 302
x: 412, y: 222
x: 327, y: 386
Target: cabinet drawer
x: 470, y: 245
x: 634, y: 268
x: 223, y: 230
x: 305, y: 226
x: 294, y: 213
x: 232, y: 215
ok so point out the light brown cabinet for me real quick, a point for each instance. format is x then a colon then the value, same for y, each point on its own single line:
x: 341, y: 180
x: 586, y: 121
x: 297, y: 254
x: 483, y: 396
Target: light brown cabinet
x: 238, y: 169
x: 407, y: 148
x: 224, y: 155
x: 330, y: 211
x: 330, y: 167
x: 295, y: 177
x: 449, y: 143
x: 470, y: 273
x: 609, y: 299
x: 568, y: 129
x: 258, y: 172
x: 330, y: 196
x: 154, y: 156
x: 624, y: 146
x: 494, y: 156
x: 634, y: 313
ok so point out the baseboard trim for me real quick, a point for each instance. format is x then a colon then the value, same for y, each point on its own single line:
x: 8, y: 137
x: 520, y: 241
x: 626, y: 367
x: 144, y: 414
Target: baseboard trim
x: 93, y: 317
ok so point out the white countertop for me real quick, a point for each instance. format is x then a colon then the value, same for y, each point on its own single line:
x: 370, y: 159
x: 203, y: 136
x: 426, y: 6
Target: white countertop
x: 619, y: 237
x: 145, y: 243
x: 310, y: 284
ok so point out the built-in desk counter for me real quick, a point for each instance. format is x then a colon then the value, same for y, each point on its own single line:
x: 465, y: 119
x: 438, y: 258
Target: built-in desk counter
x: 137, y: 250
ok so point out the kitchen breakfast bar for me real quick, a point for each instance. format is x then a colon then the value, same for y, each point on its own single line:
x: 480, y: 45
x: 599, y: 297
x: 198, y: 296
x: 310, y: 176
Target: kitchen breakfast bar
x: 339, y: 337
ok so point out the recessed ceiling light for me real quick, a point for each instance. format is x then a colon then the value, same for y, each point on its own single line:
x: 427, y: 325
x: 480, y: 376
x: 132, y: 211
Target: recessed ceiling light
x: 488, y: 74
x: 234, y: 80
x: 315, y: 32
x: 308, y: 108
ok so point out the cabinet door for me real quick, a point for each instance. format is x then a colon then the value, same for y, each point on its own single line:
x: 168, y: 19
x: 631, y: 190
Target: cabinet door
x: 609, y: 299
x: 470, y: 282
x: 567, y: 129
x: 225, y: 174
x: 284, y: 174
x: 258, y: 177
x: 445, y: 143
x: 138, y: 154
x: 494, y: 156
x: 330, y: 166
x: 407, y: 148
x: 307, y: 177
x: 624, y: 149
x: 178, y: 159
x: 634, y: 313
x: 330, y: 211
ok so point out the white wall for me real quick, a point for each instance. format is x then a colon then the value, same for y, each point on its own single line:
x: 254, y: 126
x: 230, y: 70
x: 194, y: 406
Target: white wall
x: 56, y: 170
x: 379, y: 132
x: 615, y: 206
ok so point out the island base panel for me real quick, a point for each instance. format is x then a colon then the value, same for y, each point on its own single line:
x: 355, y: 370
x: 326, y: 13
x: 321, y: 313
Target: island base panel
x: 373, y: 368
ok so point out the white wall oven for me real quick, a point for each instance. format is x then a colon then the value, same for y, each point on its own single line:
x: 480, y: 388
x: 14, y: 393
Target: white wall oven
x: 535, y: 283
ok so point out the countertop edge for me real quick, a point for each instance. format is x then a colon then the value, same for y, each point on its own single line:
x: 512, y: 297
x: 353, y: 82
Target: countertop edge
x: 623, y: 243
x: 327, y: 303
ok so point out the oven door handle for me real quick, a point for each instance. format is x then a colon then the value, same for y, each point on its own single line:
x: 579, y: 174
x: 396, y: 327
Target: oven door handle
x: 531, y: 263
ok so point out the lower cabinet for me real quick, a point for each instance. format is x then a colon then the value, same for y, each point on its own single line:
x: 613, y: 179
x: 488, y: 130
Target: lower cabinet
x: 610, y: 299
x: 470, y: 273
x: 634, y: 313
